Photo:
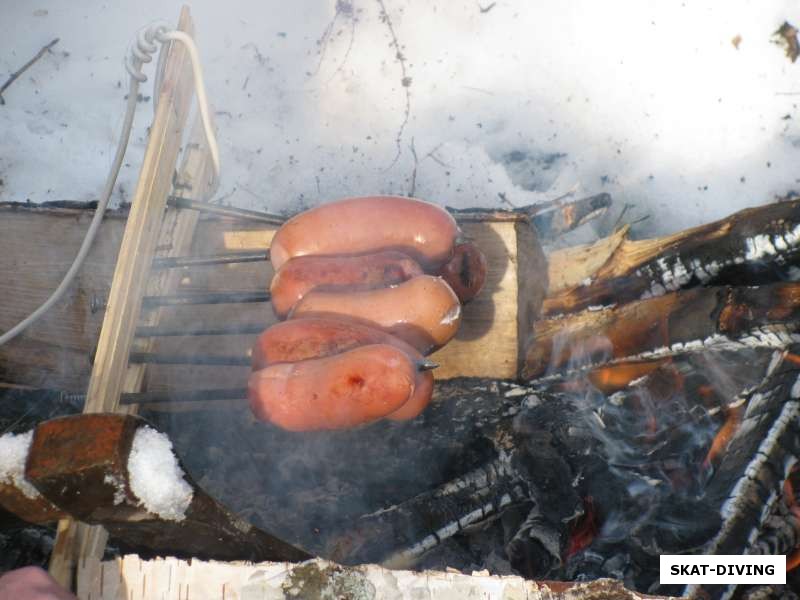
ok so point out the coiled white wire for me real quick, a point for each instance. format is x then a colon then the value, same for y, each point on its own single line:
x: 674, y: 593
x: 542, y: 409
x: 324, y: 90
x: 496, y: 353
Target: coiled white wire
x: 141, y: 52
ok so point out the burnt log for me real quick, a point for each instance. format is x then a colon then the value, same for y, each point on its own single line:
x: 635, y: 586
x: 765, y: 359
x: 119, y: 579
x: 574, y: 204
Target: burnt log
x: 752, y: 246
x: 82, y: 465
x: 688, y: 321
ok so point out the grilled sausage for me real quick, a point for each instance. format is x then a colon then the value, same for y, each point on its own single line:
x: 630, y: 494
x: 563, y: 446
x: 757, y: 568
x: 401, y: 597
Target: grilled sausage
x: 300, y: 275
x: 303, y: 339
x: 422, y: 311
x: 424, y: 231
x: 466, y: 271
x: 334, y: 392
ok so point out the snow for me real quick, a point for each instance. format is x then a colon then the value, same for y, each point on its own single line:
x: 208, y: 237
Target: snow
x: 155, y: 477
x: 13, y: 454
x: 517, y: 103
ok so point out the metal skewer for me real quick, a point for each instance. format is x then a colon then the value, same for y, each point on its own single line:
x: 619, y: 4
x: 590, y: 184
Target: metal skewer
x: 205, y: 298
x: 165, y: 330
x: 228, y: 258
x: 157, y: 358
x: 225, y: 211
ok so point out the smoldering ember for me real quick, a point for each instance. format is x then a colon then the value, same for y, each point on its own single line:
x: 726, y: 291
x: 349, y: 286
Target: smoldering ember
x: 392, y: 387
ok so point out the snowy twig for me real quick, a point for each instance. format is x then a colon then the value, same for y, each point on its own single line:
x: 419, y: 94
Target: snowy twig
x: 15, y: 75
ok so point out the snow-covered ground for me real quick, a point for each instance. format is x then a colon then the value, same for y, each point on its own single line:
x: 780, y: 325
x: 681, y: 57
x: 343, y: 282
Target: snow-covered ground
x: 516, y: 100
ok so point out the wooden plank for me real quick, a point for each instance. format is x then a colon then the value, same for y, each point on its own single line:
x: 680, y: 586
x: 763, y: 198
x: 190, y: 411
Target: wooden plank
x: 135, y: 579
x: 486, y: 343
x: 36, y: 249
x: 141, y: 233
x: 133, y: 265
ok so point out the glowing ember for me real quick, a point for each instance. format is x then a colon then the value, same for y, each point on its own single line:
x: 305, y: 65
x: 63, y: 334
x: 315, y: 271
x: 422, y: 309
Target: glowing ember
x: 584, y: 530
x: 724, y: 436
x: 613, y: 378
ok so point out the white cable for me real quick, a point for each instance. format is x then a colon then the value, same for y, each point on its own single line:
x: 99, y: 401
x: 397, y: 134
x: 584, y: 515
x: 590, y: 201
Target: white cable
x: 200, y: 92
x: 140, y: 53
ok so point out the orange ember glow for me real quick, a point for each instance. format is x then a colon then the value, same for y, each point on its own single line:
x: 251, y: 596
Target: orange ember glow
x: 724, y: 436
x: 793, y: 358
x: 793, y: 561
x: 584, y: 530
x: 613, y: 378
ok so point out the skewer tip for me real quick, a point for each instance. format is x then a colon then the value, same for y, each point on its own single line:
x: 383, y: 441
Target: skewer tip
x: 426, y: 365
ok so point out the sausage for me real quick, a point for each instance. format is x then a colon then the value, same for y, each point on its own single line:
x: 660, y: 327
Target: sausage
x: 303, y: 339
x: 424, y: 231
x: 466, y: 271
x: 334, y: 392
x: 422, y: 311
x: 301, y: 274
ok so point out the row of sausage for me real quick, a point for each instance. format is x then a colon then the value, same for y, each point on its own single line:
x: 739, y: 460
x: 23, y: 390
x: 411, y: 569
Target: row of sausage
x: 368, y: 286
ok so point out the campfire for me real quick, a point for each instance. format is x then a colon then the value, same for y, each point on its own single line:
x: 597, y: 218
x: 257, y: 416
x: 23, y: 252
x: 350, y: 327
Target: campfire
x: 460, y: 397
x: 666, y: 423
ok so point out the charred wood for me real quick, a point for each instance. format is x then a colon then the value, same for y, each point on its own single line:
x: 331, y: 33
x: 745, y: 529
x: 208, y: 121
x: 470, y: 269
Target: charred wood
x: 689, y: 321
x: 752, y: 246
x: 80, y: 464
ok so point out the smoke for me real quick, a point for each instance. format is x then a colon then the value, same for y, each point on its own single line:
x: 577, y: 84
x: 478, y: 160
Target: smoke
x: 461, y: 103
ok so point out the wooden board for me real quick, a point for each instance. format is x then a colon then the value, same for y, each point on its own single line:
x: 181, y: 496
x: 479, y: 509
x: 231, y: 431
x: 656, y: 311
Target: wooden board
x: 131, y: 578
x: 36, y: 249
x: 486, y: 345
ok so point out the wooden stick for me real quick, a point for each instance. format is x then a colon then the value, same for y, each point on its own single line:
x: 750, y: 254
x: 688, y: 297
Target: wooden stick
x: 209, y: 298
x: 110, y: 370
x: 15, y: 75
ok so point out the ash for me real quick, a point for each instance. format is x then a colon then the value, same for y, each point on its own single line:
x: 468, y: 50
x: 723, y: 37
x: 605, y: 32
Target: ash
x: 560, y: 483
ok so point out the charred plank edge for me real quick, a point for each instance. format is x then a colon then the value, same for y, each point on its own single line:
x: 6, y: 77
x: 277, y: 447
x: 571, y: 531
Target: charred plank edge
x: 675, y: 323
x: 80, y: 464
x: 705, y: 255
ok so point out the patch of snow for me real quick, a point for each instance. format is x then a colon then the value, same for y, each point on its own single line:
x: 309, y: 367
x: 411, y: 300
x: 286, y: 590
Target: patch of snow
x: 14, y: 450
x: 155, y: 477
x: 311, y: 104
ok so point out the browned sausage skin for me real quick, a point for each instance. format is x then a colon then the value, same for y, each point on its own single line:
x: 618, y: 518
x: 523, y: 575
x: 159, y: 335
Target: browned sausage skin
x: 303, y: 339
x: 424, y: 231
x: 466, y: 271
x: 302, y: 274
x: 422, y: 311
x: 335, y: 392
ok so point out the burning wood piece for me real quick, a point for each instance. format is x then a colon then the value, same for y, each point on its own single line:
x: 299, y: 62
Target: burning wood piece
x: 425, y: 521
x: 751, y: 246
x: 116, y: 471
x: 680, y: 322
x: 749, y: 481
